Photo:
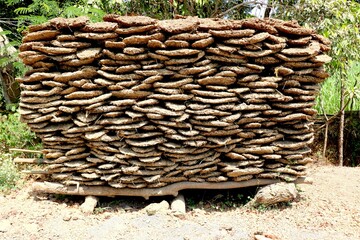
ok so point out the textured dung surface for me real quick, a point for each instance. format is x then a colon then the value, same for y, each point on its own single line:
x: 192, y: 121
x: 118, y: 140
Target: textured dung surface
x: 150, y: 103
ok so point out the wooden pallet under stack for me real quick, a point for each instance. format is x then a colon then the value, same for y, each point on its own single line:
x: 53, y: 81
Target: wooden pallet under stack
x: 170, y: 190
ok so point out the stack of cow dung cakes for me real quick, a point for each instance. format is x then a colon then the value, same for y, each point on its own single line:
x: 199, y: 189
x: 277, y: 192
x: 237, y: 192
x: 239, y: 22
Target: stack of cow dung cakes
x: 133, y: 102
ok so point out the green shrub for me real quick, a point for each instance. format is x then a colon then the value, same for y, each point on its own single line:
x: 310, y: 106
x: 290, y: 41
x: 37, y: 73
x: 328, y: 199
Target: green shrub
x: 9, y: 174
x: 15, y: 134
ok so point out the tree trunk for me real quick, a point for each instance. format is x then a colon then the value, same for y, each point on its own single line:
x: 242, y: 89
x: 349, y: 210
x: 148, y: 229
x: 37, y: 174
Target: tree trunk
x: 341, y: 123
x: 327, y: 122
x: 268, y: 9
x: 11, y: 89
x: 326, y: 139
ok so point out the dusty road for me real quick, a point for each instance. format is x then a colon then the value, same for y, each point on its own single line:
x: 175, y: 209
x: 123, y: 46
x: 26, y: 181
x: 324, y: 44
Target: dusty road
x: 328, y: 209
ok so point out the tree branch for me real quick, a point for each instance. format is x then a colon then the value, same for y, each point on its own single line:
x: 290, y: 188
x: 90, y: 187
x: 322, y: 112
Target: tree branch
x: 270, y: 5
x: 329, y: 120
x: 238, y: 6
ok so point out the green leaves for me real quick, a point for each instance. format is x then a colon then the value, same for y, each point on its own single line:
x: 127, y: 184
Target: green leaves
x: 339, y: 21
x: 12, y: 2
x: 72, y: 11
x: 14, y: 133
x: 23, y: 10
x: 4, y: 61
x: 9, y: 174
x: 5, y: 32
x: 94, y: 14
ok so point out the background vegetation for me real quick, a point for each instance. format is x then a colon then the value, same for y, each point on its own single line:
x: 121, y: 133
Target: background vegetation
x: 339, y: 20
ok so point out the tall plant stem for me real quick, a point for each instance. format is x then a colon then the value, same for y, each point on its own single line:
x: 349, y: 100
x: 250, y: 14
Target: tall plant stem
x: 342, y: 121
x: 326, y: 131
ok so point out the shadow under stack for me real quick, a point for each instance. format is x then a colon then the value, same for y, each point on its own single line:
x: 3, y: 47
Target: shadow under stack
x: 134, y: 102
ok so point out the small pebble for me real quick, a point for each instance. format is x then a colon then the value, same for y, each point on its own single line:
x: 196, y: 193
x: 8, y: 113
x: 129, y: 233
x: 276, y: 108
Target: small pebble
x: 67, y: 217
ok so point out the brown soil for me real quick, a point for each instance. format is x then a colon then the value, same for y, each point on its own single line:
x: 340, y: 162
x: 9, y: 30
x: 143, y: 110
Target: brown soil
x: 327, y: 209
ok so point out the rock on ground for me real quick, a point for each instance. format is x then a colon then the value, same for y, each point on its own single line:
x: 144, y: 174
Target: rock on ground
x: 155, y: 208
x: 276, y: 193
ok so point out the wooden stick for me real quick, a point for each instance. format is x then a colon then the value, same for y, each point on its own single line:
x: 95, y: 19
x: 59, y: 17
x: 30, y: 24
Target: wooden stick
x: 173, y: 189
x: 325, y: 141
x: 35, y: 172
x: 342, y: 119
x: 24, y: 150
x: 326, y: 132
x: 333, y: 117
x: 29, y: 160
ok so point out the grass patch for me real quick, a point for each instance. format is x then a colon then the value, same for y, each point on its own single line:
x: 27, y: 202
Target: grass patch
x: 9, y: 173
x: 328, y: 100
x: 277, y: 206
x: 15, y: 134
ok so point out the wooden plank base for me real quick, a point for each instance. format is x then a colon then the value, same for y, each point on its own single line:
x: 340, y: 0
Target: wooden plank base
x: 173, y: 189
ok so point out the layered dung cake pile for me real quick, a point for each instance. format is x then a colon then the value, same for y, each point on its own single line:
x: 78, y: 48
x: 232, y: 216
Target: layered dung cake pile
x: 133, y: 102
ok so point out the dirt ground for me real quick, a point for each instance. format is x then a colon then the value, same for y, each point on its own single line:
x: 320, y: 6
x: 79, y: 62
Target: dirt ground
x: 328, y: 209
